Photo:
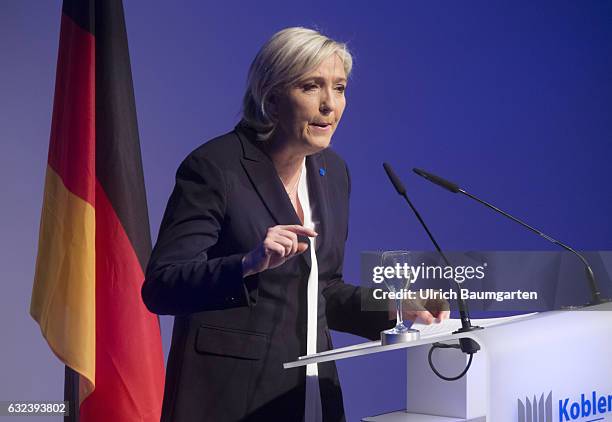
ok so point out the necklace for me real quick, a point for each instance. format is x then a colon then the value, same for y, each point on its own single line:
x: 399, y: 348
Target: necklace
x: 293, y: 190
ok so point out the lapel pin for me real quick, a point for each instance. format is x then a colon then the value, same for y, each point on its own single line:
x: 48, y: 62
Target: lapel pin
x: 322, y: 171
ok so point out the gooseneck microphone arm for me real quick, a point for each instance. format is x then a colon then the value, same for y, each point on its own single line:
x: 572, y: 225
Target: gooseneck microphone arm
x: 454, y: 188
x: 466, y: 324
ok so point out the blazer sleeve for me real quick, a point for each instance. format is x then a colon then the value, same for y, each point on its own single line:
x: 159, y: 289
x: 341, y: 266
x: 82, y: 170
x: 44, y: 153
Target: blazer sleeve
x: 344, y: 303
x: 181, y: 277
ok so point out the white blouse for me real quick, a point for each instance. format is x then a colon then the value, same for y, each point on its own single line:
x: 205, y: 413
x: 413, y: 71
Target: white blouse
x: 313, y: 411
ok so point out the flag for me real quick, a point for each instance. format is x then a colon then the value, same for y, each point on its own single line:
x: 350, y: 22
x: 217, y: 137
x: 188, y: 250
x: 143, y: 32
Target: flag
x: 94, y: 239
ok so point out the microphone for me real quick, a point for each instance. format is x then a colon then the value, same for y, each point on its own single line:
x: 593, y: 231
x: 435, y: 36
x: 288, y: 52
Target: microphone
x: 466, y: 324
x: 449, y: 186
x: 596, y: 298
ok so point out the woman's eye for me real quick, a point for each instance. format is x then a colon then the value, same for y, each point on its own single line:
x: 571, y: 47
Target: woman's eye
x: 341, y: 88
x: 309, y: 87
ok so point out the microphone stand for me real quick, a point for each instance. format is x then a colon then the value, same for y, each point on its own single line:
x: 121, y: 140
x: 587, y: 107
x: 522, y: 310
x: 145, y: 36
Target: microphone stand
x: 466, y: 324
x: 596, y: 298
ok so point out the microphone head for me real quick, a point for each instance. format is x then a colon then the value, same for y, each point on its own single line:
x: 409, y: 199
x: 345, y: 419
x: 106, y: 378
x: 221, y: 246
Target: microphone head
x: 449, y: 186
x: 397, y: 183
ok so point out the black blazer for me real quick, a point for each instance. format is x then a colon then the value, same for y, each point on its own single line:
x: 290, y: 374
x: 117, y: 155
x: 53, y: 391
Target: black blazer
x: 232, y: 335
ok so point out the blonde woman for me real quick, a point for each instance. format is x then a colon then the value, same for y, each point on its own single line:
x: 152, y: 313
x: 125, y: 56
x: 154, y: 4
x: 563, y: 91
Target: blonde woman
x: 249, y: 254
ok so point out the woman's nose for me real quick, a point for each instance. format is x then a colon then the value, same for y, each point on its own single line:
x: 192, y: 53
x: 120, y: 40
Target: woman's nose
x: 327, y: 103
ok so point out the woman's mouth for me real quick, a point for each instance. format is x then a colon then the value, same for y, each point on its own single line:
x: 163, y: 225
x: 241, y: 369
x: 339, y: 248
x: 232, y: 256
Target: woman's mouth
x: 321, y: 127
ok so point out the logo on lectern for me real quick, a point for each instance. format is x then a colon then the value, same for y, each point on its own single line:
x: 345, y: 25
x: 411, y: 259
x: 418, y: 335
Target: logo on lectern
x: 589, y: 406
x: 536, y: 410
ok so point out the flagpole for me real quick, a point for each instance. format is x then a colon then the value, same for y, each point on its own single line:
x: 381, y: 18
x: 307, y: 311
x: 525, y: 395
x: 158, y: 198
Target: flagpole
x: 71, y: 394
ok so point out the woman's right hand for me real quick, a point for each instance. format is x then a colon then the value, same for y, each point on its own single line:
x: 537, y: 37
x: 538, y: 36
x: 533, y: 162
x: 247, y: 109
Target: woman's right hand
x: 280, y: 244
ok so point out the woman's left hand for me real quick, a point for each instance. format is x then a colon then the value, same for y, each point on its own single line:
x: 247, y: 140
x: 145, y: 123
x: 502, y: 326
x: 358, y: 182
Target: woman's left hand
x: 425, y: 311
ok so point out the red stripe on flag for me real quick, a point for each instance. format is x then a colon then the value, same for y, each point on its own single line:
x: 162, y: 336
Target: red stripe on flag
x: 129, y: 361
x: 72, y: 144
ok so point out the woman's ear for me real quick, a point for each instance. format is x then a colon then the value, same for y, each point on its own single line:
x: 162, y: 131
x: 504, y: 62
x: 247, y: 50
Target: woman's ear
x: 272, y: 106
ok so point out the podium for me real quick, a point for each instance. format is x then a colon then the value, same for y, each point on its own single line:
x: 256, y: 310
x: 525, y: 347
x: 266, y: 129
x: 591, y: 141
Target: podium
x: 552, y: 366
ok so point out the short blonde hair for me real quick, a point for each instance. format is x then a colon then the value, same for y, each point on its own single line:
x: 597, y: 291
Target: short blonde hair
x: 281, y: 62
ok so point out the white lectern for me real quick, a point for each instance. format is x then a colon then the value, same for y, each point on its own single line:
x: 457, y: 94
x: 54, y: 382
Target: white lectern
x: 553, y: 366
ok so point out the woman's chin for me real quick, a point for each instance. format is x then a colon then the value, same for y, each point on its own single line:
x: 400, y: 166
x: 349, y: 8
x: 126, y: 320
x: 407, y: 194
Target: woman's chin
x: 318, y: 143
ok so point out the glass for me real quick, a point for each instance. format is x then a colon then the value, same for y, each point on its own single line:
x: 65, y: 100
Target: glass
x: 398, y: 283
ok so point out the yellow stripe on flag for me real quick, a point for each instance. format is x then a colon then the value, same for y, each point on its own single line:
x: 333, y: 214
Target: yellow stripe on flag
x: 63, y: 297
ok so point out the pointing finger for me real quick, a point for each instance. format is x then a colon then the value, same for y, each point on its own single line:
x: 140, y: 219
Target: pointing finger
x: 301, y: 230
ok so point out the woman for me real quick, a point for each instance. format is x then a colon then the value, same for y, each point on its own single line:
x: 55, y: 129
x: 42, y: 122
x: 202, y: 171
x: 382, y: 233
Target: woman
x: 249, y: 254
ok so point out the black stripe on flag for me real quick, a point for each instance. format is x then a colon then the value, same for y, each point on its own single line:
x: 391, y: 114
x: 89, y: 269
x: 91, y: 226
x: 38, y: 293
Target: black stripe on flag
x: 118, y: 158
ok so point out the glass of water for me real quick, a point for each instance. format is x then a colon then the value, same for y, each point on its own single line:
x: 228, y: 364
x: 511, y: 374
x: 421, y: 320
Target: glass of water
x: 399, y: 284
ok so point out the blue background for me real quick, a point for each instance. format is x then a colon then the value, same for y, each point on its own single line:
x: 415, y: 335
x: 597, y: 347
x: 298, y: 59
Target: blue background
x: 510, y: 99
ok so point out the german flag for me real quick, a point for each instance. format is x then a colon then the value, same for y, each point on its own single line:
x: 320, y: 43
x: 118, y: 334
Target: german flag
x: 94, y: 238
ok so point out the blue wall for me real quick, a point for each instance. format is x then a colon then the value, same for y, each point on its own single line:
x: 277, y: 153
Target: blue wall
x: 512, y: 99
